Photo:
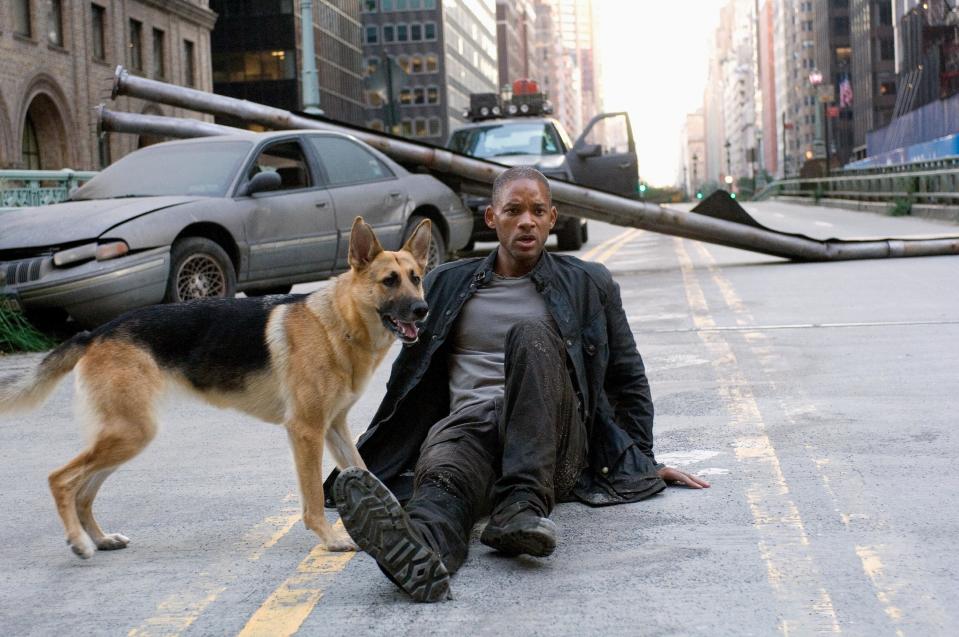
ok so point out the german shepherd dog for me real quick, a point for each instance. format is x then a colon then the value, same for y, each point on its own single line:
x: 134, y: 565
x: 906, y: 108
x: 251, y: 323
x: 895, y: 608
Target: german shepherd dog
x: 297, y: 360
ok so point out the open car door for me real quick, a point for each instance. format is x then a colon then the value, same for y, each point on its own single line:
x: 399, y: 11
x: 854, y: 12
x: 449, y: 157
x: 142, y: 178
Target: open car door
x: 604, y: 156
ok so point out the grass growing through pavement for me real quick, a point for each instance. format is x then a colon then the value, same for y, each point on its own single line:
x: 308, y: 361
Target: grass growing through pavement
x: 18, y: 335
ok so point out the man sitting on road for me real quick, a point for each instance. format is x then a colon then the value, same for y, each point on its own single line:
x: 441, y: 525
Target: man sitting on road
x: 525, y: 388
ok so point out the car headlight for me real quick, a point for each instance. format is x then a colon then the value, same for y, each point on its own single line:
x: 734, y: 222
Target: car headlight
x: 87, y: 251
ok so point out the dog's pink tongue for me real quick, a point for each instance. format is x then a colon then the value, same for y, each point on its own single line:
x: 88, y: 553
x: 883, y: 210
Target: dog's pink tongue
x: 408, y: 329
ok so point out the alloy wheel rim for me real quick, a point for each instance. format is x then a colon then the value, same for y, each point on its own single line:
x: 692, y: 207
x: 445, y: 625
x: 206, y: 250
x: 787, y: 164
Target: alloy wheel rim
x: 433, y: 256
x: 200, y: 277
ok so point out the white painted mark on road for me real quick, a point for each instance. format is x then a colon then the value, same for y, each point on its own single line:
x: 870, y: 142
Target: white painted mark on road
x: 824, y: 224
x: 690, y: 456
x: 885, y: 587
x: 805, y: 604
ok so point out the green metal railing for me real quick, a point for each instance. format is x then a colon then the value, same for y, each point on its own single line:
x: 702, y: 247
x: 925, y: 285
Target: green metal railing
x: 921, y: 185
x: 23, y: 188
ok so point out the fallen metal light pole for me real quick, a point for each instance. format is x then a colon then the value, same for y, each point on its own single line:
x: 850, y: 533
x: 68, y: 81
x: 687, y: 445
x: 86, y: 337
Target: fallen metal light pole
x: 119, y: 122
x: 477, y: 175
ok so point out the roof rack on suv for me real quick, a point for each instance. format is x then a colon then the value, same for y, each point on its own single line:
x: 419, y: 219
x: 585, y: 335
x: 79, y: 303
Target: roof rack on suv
x: 526, y: 100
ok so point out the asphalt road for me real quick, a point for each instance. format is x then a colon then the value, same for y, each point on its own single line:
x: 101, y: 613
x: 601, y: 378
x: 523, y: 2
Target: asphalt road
x: 819, y: 399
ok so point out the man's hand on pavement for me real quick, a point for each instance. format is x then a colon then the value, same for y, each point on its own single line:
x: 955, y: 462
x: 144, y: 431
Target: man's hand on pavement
x: 675, y: 476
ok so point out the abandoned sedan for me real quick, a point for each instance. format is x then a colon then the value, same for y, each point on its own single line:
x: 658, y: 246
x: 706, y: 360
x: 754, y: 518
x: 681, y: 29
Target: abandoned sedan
x: 209, y: 217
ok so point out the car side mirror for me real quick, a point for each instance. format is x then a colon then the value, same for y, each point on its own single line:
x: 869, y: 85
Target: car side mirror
x: 589, y: 150
x: 263, y: 182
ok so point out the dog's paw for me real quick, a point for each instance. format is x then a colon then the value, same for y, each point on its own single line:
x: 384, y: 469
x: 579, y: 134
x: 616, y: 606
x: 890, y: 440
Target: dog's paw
x: 340, y: 544
x: 82, y: 546
x: 112, y: 542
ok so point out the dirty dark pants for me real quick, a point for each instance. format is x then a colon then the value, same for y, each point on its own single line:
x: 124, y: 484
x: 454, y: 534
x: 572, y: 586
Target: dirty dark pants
x: 530, y: 445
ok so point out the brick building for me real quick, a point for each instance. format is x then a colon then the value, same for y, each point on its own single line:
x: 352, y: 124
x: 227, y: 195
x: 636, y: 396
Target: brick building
x: 57, y: 59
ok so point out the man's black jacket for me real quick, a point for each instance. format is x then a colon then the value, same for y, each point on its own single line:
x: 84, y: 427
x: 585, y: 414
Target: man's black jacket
x: 602, y: 360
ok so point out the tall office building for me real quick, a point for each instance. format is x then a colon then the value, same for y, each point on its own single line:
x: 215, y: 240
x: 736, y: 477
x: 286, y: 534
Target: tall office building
x: 873, y: 68
x: 515, y: 41
x: 573, y: 24
x: 257, y: 54
x: 834, y: 60
x: 423, y: 60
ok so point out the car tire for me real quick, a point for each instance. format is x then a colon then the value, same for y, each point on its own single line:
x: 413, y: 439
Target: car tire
x: 437, y: 253
x: 585, y: 232
x: 199, y: 269
x: 267, y: 291
x: 570, y: 236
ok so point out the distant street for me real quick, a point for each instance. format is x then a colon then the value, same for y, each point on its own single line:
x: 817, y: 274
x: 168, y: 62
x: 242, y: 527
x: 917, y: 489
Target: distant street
x: 819, y: 399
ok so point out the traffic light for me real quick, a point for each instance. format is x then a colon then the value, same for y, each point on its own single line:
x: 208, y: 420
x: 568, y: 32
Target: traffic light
x: 699, y: 195
x: 642, y: 187
x: 733, y: 195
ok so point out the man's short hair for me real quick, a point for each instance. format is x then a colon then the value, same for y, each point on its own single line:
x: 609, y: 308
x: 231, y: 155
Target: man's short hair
x: 514, y: 174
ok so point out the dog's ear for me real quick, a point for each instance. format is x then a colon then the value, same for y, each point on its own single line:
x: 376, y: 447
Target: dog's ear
x: 364, y: 246
x: 419, y: 242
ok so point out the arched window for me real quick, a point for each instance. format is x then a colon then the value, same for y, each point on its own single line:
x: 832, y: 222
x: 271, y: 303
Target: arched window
x: 416, y: 64
x: 432, y: 64
x: 30, y: 147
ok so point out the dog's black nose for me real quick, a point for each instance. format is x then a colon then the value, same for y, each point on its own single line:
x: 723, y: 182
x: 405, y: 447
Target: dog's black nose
x: 419, y: 310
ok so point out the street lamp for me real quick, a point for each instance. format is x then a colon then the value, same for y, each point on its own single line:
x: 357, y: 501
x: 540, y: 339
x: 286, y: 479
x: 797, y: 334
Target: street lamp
x: 729, y: 169
x: 695, y: 178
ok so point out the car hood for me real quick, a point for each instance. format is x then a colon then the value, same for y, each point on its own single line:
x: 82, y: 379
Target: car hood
x: 543, y: 162
x: 74, y: 220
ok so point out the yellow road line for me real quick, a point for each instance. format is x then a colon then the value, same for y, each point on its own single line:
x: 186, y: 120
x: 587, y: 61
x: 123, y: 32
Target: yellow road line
x: 589, y: 254
x: 285, y: 610
x: 805, y: 605
x: 178, y: 611
x: 616, y: 247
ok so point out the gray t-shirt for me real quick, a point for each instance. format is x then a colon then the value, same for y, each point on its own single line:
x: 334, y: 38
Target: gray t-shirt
x: 478, y: 350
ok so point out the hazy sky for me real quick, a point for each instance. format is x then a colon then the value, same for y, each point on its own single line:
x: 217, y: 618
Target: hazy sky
x: 654, y: 55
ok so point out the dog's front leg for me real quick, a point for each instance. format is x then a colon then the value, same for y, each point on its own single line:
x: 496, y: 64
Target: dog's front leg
x: 341, y: 444
x: 307, y: 443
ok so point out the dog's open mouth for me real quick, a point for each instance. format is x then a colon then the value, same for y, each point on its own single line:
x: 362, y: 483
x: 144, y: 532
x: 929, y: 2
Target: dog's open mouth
x: 408, y: 332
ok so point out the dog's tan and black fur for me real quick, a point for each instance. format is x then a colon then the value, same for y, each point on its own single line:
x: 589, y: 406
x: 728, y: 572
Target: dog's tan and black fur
x: 301, y: 361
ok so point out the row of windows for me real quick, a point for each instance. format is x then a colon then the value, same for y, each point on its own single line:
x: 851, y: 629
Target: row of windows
x: 414, y: 96
x: 403, y: 32
x: 53, y: 23
x: 418, y: 127
x: 411, y: 64
x: 253, y: 66
x: 370, y: 6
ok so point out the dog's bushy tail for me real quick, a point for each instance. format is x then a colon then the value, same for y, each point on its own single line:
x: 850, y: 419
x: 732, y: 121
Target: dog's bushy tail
x: 23, y: 390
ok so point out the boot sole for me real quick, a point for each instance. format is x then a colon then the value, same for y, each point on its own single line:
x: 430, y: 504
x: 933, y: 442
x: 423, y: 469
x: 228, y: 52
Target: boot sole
x: 377, y: 523
x: 538, y: 541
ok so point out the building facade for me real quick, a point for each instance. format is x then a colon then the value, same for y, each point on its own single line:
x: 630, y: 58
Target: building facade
x: 423, y: 60
x: 873, y: 67
x: 834, y: 60
x: 694, y: 152
x: 57, y: 59
x: 515, y: 45
x: 257, y: 54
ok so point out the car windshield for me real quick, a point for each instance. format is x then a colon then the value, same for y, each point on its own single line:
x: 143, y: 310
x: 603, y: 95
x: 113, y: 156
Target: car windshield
x: 202, y: 169
x: 505, y: 139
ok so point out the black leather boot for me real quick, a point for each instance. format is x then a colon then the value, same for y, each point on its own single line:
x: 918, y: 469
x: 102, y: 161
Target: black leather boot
x: 376, y: 521
x: 520, y: 529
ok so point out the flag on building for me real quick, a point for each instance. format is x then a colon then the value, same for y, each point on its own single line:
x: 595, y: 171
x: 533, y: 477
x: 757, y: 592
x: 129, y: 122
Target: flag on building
x: 845, y: 92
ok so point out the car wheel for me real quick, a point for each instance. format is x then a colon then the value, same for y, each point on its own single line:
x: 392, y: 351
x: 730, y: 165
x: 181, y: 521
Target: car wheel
x: 273, y: 289
x: 437, y: 253
x: 199, y: 269
x: 585, y: 232
x: 570, y: 237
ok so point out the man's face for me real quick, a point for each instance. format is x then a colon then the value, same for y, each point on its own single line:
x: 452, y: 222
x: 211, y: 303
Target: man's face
x: 522, y: 216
